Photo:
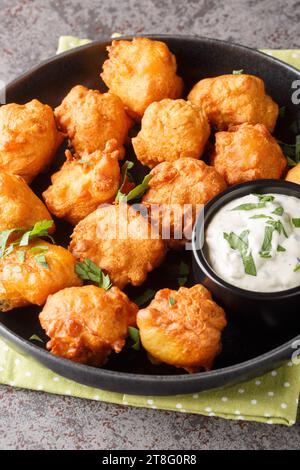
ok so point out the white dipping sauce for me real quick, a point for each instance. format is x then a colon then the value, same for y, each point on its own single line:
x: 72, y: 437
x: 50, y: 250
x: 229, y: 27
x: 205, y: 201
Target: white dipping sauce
x: 264, y: 259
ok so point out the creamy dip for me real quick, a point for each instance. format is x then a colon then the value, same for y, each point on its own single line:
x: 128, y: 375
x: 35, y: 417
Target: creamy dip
x: 253, y: 242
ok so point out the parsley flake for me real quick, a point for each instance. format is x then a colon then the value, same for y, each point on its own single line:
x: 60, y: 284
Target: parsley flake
x: 89, y: 271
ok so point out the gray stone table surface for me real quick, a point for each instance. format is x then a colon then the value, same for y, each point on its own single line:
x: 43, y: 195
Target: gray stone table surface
x: 29, y: 30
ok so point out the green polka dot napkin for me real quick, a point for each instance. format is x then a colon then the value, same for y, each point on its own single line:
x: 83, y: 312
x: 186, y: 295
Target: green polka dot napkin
x: 271, y: 398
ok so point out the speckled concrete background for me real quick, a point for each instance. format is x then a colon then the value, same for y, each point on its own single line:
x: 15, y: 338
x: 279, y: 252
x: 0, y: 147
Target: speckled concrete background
x: 28, y: 34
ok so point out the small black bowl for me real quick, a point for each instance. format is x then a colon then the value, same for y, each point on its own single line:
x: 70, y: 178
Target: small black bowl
x: 272, y: 309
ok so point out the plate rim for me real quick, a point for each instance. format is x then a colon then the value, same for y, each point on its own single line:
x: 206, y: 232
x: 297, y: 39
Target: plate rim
x: 157, y: 37
x: 248, y: 365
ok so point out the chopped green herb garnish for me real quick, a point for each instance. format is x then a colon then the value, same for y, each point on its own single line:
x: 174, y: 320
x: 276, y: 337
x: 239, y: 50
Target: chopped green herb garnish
x: 280, y: 248
x: 89, y: 271
x: 296, y: 223
x: 124, y: 173
x: 291, y: 151
x: 233, y: 240
x: 261, y: 216
x: 38, y: 248
x: 4, y: 236
x: 238, y: 72
x: 184, y: 269
x: 282, y: 112
x: 241, y: 244
x: 264, y: 197
x: 145, y: 297
x: 41, y: 260
x: 172, y: 301
x: 288, y: 149
x: 21, y: 256
x: 267, y: 243
x: 40, y: 229
x: 272, y: 226
x: 36, y: 338
x: 106, y: 284
x: 278, y: 226
x: 9, y: 250
x: 291, y: 163
x: 297, y: 267
x: 278, y: 211
x: 135, y: 336
x: 297, y: 148
x: 182, y: 281
x: 138, y: 191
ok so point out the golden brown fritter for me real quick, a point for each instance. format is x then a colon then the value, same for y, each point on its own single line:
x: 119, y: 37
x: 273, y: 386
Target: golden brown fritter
x: 175, y: 184
x: 248, y: 152
x: 182, y: 328
x: 118, y: 239
x: 234, y: 99
x: 90, y: 119
x: 20, y: 207
x: 28, y: 138
x: 85, y: 324
x: 140, y: 72
x: 81, y: 185
x: 171, y: 129
x: 30, y: 281
x: 294, y: 174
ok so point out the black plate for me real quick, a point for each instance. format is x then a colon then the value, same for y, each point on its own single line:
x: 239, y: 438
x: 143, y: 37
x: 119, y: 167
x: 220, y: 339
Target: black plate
x: 245, y: 352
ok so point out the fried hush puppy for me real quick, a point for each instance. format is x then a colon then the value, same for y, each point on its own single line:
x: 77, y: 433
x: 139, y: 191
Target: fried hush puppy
x: 171, y: 129
x: 30, y: 280
x: 179, y: 189
x: 140, y: 72
x: 81, y: 185
x: 90, y: 119
x: 294, y: 174
x: 28, y: 138
x: 182, y: 328
x: 85, y: 324
x: 118, y: 239
x: 20, y: 207
x: 248, y: 152
x: 234, y: 99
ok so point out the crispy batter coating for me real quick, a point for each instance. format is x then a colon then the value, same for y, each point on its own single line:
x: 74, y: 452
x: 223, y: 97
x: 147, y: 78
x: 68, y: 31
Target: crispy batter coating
x: 187, y: 182
x: 81, y: 185
x: 20, y: 207
x: 28, y: 138
x: 234, y: 99
x: 85, y: 324
x: 182, y: 328
x: 171, y: 129
x: 248, y: 152
x: 29, y: 282
x: 294, y: 174
x: 118, y: 239
x: 91, y: 118
x: 140, y: 72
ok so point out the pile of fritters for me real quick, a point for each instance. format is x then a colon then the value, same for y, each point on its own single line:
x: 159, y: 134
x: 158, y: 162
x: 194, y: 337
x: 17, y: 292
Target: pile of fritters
x: 219, y: 135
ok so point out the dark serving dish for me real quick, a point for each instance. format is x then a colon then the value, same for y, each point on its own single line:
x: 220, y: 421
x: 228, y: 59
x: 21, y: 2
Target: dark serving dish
x: 272, y: 310
x: 246, y: 352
